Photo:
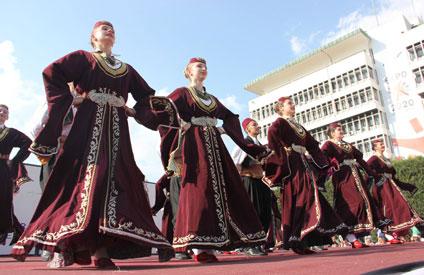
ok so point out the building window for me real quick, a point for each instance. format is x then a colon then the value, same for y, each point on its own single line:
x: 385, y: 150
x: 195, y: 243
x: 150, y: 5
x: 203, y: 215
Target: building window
x: 339, y: 83
x: 377, y: 119
x: 370, y: 122
x: 349, y: 101
x: 376, y: 97
x: 321, y: 89
x: 330, y: 108
x: 418, y: 49
x: 324, y: 109
x: 367, y: 146
x: 358, y: 74
x: 343, y: 101
x: 364, y: 71
x: 345, y: 80
x: 333, y: 84
x: 362, y: 96
x: 337, y: 104
x: 360, y: 146
x: 419, y: 75
x: 371, y: 72
x: 352, y: 77
x: 369, y: 94
x: 326, y: 87
x: 411, y: 53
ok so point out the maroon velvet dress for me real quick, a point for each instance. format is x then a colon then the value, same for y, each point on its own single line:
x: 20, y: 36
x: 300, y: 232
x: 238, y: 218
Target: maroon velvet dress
x: 95, y: 195
x: 214, y: 209
x: 389, y: 198
x: 12, y: 176
x: 352, y: 200
x: 307, y: 217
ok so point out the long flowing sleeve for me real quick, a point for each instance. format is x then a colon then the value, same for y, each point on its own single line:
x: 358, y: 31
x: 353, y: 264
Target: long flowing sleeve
x: 69, y: 68
x: 372, y: 163
x: 319, y: 159
x: 22, y: 142
x: 18, y: 170
x: 360, y: 160
x: 141, y: 92
x: 277, y: 167
x: 231, y: 125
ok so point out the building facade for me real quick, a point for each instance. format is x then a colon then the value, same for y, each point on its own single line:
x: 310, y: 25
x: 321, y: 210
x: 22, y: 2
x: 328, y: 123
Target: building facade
x: 371, y: 82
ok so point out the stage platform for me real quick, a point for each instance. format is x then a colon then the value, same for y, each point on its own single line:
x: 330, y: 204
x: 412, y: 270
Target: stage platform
x: 343, y: 261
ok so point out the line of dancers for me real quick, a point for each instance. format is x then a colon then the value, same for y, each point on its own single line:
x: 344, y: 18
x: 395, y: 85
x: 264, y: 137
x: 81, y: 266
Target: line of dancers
x: 94, y: 207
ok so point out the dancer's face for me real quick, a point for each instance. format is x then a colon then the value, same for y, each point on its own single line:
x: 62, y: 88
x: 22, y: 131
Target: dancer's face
x: 198, y: 71
x: 338, y: 133
x: 4, y: 114
x: 253, y: 129
x: 379, y: 147
x: 288, y: 108
x: 103, y: 35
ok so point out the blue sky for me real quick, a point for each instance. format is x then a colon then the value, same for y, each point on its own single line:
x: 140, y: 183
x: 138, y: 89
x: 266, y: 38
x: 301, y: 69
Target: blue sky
x: 241, y: 40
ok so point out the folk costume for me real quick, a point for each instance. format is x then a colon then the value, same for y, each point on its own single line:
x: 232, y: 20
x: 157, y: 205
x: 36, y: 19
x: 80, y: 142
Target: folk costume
x: 214, y: 209
x: 95, y: 195
x: 251, y: 172
x: 389, y: 198
x: 297, y: 166
x: 12, y: 175
x: 352, y: 200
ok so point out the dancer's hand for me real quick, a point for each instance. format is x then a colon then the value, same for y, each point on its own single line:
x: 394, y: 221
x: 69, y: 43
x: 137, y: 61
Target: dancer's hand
x: 79, y: 99
x: 129, y: 111
x: 43, y: 159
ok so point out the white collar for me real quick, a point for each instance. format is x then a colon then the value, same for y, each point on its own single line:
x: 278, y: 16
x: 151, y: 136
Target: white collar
x: 2, y: 126
x: 255, y: 139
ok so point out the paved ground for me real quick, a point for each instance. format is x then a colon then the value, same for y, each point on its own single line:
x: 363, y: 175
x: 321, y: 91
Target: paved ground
x: 334, y: 261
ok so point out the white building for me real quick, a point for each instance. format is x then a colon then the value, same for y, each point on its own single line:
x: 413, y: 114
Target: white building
x: 370, y: 81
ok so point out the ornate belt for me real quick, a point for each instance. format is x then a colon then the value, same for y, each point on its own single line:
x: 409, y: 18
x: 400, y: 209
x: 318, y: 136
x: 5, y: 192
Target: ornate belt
x: 5, y: 156
x: 254, y: 171
x: 348, y: 162
x: 204, y: 121
x: 102, y: 99
x: 297, y: 148
x: 388, y: 175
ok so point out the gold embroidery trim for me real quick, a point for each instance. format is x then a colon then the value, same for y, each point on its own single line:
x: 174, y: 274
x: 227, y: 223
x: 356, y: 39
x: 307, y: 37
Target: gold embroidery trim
x: 3, y: 133
x: 115, y: 73
x: 198, y: 101
x: 78, y: 225
x: 220, y: 196
x: 111, y: 223
x: 370, y: 225
x: 298, y: 129
x: 415, y: 217
x: 344, y: 146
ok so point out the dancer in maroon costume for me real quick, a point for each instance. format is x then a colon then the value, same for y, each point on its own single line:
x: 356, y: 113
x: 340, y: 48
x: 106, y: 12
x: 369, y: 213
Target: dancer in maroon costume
x: 94, y: 201
x: 214, y: 210
x: 12, y: 175
x: 352, y: 200
x: 388, y: 196
x: 307, y: 217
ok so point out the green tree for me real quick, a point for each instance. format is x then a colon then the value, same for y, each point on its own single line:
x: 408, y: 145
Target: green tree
x: 411, y: 170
